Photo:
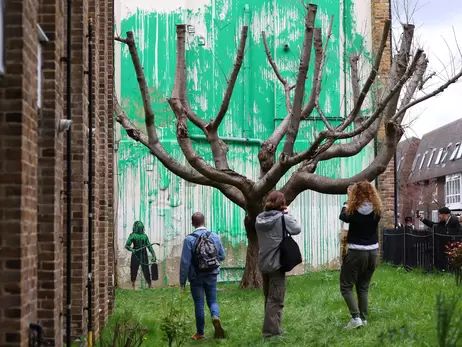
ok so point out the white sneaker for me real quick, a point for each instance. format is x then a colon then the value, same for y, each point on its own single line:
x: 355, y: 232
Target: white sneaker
x: 354, y: 324
x: 364, y: 322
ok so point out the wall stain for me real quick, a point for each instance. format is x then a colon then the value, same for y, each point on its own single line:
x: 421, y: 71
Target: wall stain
x: 150, y: 193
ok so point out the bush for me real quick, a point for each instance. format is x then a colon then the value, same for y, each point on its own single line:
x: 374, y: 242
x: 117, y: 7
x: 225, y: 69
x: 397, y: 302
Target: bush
x: 448, y: 326
x: 124, y: 330
x: 175, y: 324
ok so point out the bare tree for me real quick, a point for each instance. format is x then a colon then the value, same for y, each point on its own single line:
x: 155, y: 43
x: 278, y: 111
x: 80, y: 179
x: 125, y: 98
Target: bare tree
x: 415, y: 195
x: 408, y: 69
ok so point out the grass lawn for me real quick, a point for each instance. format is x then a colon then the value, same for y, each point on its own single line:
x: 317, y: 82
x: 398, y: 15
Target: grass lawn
x: 315, y: 313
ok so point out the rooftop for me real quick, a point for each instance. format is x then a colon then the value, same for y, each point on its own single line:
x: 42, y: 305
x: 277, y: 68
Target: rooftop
x: 439, y: 153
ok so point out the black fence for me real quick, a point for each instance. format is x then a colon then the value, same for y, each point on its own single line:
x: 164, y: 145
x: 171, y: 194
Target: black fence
x: 418, y: 248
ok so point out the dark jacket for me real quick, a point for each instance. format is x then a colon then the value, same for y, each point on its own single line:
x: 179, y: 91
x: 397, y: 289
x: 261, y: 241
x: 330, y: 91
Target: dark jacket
x: 451, y: 226
x: 363, y: 228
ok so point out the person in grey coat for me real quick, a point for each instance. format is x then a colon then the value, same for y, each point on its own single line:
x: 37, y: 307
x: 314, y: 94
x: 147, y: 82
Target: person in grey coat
x: 270, y: 233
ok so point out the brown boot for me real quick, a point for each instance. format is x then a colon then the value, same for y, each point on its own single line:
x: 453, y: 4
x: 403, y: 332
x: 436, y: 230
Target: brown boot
x: 219, y: 331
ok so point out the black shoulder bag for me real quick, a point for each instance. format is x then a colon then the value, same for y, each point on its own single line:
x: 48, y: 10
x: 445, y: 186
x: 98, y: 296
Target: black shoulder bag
x: 290, y: 252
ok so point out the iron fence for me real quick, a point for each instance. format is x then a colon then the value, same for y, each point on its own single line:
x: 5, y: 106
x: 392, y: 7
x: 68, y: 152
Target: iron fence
x: 418, y: 248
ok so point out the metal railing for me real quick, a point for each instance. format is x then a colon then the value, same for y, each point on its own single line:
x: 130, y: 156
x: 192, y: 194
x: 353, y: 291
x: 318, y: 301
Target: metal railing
x: 418, y: 248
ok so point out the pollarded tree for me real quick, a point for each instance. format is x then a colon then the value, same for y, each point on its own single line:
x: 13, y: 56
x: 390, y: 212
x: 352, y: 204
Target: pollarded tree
x: 405, y: 78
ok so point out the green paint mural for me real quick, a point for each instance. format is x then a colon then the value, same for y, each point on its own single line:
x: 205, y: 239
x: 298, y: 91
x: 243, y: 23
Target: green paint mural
x: 148, y: 192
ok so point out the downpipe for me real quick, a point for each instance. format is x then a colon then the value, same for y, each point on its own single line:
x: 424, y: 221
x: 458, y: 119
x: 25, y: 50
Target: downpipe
x: 395, y: 165
x: 68, y: 176
x: 90, y: 187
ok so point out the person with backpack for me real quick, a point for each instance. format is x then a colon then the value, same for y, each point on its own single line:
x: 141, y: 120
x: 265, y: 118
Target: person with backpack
x: 278, y: 254
x: 200, y: 264
x: 362, y: 212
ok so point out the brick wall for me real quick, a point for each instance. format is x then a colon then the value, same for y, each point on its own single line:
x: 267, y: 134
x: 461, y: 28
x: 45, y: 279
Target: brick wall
x: 32, y: 170
x: 18, y: 174
x: 50, y: 172
x: 381, y: 12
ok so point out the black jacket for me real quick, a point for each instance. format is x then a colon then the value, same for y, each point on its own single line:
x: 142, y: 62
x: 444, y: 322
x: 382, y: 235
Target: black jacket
x: 450, y: 227
x: 362, y: 229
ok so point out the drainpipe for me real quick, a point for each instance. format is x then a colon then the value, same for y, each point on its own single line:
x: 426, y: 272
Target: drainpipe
x: 90, y: 184
x: 68, y: 176
x: 241, y: 140
x: 395, y: 164
x: 246, y: 88
x: 344, y: 60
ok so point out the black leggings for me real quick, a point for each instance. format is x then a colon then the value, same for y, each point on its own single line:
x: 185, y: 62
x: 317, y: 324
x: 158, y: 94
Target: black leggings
x: 138, y: 258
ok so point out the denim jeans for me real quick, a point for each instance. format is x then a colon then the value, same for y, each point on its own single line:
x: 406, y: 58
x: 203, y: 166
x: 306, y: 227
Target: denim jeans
x: 204, y: 284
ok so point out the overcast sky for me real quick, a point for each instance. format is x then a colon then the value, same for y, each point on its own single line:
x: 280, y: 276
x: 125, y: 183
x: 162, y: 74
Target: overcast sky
x: 436, y: 21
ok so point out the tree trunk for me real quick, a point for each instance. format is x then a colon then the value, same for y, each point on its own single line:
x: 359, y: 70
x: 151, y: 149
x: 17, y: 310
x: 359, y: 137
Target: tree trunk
x: 251, y: 278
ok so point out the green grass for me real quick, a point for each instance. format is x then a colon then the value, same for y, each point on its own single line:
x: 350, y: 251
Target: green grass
x: 315, y: 312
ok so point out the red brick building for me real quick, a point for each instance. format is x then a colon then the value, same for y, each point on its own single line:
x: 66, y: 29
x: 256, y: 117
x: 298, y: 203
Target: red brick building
x: 33, y: 167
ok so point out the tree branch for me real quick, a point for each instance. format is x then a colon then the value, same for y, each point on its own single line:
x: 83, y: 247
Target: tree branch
x: 197, y: 162
x: 398, y: 71
x: 308, y: 181
x: 271, y: 61
x: 355, y: 81
x: 437, y: 91
x: 170, y: 163
x: 324, y: 118
x: 321, y: 55
x: 147, y: 106
x: 179, y: 88
x: 219, y: 148
x: 370, y: 80
x: 412, y: 86
x: 232, y: 81
x: 295, y: 116
x: 383, y: 103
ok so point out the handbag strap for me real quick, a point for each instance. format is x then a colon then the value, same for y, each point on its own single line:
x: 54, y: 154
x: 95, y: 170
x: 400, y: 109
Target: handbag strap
x: 284, y: 229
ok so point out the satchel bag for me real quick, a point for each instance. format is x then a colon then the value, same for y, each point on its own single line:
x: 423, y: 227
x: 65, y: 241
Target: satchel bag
x: 290, y: 252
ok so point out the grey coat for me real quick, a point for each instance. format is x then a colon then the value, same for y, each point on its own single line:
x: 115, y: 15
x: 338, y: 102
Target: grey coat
x: 269, y: 232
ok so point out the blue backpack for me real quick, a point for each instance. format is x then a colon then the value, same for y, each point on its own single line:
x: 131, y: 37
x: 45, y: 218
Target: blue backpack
x: 205, y: 254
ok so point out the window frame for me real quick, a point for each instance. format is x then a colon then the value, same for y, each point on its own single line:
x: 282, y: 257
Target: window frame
x: 414, y: 164
x: 445, y: 153
x: 454, y: 153
x: 439, y: 155
x: 431, y: 157
x: 453, y: 189
x: 423, y: 160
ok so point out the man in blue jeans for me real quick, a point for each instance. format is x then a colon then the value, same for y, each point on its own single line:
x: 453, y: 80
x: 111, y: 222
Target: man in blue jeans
x: 202, y: 252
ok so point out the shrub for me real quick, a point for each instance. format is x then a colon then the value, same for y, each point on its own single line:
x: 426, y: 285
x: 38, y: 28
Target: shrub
x: 175, y: 324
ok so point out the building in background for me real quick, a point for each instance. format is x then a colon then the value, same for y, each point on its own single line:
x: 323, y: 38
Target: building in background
x: 33, y: 168
x: 164, y: 202
x: 435, y: 173
x: 408, y: 191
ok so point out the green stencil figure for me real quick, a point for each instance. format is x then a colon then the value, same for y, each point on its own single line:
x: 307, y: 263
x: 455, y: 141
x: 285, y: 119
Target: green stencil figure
x: 138, y: 243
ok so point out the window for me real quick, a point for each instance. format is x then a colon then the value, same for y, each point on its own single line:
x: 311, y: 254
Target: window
x: 459, y: 155
x: 41, y: 39
x: 445, y: 154
x: 415, y: 162
x: 431, y: 157
x: 423, y: 160
x: 456, y: 148
x: 2, y: 44
x: 438, y: 158
x: 453, y: 189
x: 435, y: 216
